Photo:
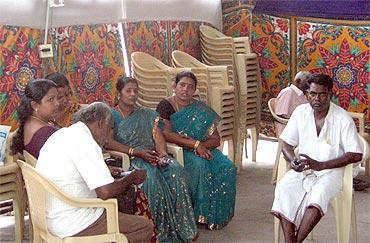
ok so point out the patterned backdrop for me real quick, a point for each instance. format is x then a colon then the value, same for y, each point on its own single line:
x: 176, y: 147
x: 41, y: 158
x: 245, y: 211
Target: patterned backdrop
x: 341, y: 50
x: 91, y: 57
x: 160, y: 38
x: 287, y: 45
x: 270, y: 40
x: 19, y: 63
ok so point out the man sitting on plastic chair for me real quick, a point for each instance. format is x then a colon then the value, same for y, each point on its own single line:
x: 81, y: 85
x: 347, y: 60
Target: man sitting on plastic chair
x: 72, y: 158
x: 327, y: 141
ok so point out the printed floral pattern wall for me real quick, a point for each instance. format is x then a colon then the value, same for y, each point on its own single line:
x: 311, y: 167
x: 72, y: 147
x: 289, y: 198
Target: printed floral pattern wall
x: 160, y: 38
x: 287, y: 45
x: 91, y: 57
x: 340, y: 50
x: 19, y: 63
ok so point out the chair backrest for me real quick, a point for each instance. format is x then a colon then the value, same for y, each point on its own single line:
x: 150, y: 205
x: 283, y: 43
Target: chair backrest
x: 32, y: 161
x: 37, y: 187
x: 271, y: 105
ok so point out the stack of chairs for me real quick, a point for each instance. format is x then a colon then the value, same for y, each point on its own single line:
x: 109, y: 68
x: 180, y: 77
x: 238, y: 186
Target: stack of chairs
x: 220, y: 94
x: 154, y: 77
x: 249, y: 76
x: 218, y: 49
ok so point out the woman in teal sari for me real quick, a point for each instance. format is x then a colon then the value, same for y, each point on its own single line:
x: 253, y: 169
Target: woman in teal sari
x: 137, y: 132
x: 212, y: 176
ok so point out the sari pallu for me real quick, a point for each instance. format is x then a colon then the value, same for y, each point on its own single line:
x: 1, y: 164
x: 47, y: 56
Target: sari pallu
x: 165, y: 187
x: 212, y: 182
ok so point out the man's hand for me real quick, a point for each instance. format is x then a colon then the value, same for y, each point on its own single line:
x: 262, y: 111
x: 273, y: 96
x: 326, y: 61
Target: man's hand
x: 308, y: 163
x: 138, y: 176
x: 114, y: 170
x: 203, y: 152
x: 150, y: 156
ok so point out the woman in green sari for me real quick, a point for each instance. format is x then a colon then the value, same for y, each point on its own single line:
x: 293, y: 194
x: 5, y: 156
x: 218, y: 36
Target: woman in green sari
x: 212, y: 176
x: 137, y: 132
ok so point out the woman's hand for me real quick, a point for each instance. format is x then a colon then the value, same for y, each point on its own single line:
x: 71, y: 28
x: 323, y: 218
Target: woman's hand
x: 203, y: 152
x: 114, y: 170
x: 150, y: 156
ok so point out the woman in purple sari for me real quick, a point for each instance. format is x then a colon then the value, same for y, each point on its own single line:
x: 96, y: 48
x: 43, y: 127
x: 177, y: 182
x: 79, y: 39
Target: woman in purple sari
x: 35, y: 113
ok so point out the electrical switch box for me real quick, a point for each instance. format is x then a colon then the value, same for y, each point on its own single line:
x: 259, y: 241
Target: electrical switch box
x: 46, y: 50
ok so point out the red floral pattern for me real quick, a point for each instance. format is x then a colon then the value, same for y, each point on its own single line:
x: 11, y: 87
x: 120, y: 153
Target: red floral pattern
x: 20, y: 64
x: 349, y: 73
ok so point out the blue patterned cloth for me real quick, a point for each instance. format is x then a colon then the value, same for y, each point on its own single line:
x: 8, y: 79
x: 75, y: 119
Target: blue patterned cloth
x: 212, y: 182
x: 165, y: 187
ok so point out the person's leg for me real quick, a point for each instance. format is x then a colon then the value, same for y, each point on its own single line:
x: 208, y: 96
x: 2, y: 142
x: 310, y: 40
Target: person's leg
x: 288, y: 230
x: 310, y: 218
x: 135, y: 228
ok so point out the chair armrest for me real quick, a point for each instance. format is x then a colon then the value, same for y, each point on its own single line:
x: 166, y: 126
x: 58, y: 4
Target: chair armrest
x: 125, y: 158
x: 177, y: 151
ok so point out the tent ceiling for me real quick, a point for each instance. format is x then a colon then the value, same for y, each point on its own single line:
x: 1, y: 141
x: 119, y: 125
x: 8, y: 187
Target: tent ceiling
x: 32, y: 13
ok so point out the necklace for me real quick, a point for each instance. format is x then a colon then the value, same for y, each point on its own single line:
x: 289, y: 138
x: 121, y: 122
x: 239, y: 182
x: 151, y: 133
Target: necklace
x: 177, y: 104
x: 122, y: 114
x: 39, y: 119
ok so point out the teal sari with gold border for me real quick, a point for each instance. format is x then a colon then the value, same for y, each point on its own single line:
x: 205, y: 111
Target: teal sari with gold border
x: 165, y: 187
x: 212, y: 182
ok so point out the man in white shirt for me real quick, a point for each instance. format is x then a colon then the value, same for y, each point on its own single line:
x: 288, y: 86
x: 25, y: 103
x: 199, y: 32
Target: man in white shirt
x: 291, y: 97
x: 72, y: 158
x: 327, y: 141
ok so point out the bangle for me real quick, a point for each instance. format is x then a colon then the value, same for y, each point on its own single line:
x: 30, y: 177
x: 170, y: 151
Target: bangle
x: 196, y: 145
x: 131, y: 152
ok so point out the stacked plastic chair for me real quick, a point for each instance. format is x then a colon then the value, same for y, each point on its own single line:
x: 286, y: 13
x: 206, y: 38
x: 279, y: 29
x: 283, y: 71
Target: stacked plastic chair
x: 220, y: 94
x: 218, y: 49
x: 154, y: 77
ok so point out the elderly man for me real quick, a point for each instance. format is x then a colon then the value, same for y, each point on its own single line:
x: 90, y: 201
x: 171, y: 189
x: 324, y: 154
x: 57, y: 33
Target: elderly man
x: 327, y: 141
x: 291, y: 97
x: 72, y: 158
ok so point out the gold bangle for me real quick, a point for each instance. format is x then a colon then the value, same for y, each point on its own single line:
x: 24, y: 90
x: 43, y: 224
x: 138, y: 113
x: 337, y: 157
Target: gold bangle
x: 196, y: 145
x: 130, y: 151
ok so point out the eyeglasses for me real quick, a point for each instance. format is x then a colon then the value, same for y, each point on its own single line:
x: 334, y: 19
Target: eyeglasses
x: 321, y: 95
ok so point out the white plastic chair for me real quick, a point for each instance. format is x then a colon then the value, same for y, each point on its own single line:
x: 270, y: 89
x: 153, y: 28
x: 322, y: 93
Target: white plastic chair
x: 343, y: 204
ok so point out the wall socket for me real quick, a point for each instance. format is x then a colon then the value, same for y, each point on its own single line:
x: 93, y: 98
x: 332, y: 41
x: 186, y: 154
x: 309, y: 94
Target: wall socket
x: 46, y: 50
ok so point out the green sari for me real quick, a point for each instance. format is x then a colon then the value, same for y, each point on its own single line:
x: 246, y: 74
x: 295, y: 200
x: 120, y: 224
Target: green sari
x: 165, y: 187
x: 212, y: 182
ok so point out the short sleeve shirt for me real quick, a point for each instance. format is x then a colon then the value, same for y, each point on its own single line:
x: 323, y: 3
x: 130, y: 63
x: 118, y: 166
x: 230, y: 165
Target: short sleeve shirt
x: 74, y: 162
x: 338, y: 134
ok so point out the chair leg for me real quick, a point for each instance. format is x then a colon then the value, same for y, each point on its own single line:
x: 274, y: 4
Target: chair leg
x: 367, y: 167
x: 277, y: 158
x: 354, y: 220
x: 18, y: 220
x: 254, y: 136
x: 342, y: 210
x: 277, y: 229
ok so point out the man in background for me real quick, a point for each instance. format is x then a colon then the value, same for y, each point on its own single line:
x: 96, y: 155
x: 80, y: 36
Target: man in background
x: 291, y: 97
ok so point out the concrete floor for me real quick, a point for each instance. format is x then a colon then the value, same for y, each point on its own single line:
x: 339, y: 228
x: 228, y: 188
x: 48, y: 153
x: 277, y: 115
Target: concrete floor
x: 252, y: 221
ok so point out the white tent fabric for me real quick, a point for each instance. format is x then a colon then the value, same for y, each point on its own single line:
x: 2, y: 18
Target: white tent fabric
x: 32, y: 13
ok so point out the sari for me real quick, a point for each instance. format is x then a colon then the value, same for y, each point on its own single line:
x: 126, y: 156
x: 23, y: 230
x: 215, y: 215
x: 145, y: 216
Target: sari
x: 165, y: 187
x: 212, y: 182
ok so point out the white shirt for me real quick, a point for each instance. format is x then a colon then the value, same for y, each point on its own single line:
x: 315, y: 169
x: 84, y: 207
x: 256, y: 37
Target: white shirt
x: 74, y: 162
x: 338, y: 134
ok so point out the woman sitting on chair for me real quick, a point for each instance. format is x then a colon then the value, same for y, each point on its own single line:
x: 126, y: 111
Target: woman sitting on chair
x: 67, y: 107
x: 35, y: 113
x: 137, y: 133
x: 212, y: 176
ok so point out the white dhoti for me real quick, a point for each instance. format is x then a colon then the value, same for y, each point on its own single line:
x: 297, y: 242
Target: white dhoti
x: 297, y: 191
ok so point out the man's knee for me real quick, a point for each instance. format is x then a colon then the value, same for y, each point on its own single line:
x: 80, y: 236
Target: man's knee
x: 137, y: 229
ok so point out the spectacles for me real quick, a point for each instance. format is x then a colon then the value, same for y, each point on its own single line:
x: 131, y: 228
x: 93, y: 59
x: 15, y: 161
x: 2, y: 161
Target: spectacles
x: 321, y: 95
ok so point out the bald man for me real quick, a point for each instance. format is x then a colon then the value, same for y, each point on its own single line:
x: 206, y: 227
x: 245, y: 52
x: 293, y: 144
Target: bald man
x: 291, y: 97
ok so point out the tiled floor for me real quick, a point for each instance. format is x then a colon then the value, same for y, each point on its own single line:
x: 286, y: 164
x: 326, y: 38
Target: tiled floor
x: 252, y: 221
